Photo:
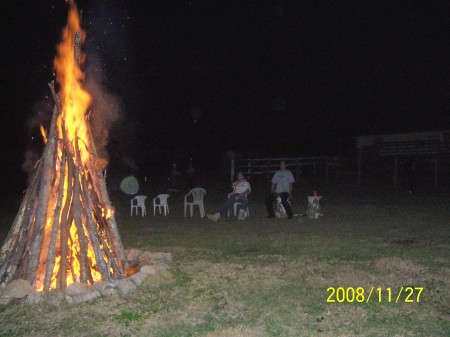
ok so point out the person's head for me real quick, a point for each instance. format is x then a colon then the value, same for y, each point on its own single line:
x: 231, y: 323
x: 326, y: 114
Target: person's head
x: 240, y: 176
x: 283, y: 165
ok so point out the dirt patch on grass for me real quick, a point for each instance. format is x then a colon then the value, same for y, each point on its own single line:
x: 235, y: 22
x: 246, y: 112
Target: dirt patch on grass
x: 321, y: 274
x: 351, y: 275
x: 404, y: 242
x: 396, y: 272
x: 238, y: 332
x: 162, y: 277
x: 398, y: 264
x: 340, y: 317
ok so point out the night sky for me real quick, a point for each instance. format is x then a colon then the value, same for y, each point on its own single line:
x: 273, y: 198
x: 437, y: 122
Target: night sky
x: 261, y: 78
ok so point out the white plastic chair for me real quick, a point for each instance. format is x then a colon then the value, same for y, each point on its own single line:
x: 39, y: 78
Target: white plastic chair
x: 235, y: 206
x: 138, y: 202
x: 195, y: 198
x: 161, y: 202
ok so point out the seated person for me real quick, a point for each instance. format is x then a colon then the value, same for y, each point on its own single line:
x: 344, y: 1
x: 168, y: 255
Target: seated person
x: 241, y: 188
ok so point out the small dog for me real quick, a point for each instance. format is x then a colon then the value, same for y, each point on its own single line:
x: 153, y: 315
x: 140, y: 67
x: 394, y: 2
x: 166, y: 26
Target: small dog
x: 280, y: 212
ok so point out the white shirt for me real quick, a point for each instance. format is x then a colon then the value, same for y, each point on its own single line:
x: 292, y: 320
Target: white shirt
x: 283, y: 180
x: 241, y: 187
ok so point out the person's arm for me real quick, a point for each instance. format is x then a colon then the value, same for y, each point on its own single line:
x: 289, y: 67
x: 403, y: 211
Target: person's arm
x: 272, y: 190
x: 245, y: 193
x: 290, y: 190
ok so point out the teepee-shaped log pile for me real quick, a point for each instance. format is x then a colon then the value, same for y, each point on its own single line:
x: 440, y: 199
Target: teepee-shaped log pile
x: 65, y: 229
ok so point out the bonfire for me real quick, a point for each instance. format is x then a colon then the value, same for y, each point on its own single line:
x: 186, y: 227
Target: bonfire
x: 65, y: 230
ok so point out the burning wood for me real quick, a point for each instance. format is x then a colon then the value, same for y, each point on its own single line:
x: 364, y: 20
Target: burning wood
x: 65, y: 230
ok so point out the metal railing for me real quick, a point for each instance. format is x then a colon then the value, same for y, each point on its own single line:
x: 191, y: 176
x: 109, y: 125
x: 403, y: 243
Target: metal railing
x: 298, y: 165
x: 416, y: 148
x: 433, y: 156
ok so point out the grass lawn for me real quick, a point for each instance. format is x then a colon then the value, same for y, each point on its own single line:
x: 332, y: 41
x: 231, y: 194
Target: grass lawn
x: 275, y: 277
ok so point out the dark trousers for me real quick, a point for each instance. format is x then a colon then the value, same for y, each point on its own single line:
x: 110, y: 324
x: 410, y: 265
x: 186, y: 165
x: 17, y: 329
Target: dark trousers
x: 230, y: 202
x: 284, y: 201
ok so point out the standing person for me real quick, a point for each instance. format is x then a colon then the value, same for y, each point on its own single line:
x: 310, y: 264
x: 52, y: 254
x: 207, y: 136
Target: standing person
x: 173, y: 178
x: 282, y: 182
x: 241, y: 188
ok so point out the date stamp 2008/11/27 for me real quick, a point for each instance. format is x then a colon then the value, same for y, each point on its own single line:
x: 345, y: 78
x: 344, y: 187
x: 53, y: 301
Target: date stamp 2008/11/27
x: 375, y: 294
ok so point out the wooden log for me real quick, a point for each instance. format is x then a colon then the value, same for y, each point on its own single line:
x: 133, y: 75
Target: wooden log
x: 102, y: 192
x: 54, y: 95
x: 14, y: 245
x: 11, y: 240
x: 48, y: 158
x: 50, y: 260
x: 23, y: 263
x: 101, y: 218
x: 92, y: 230
x: 62, y: 274
x: 67, y: 223
x: 99, y: 185
x: 71, y: 259
x: 75, y: 215
x: 65, y: 216
x: 89, y: 270
x: 111, y: 261
x: 80, y: 230
x: 88, y: 208
x: 82, y: 254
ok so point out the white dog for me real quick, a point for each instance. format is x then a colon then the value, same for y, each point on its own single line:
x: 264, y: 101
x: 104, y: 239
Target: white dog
x: 280, y: 212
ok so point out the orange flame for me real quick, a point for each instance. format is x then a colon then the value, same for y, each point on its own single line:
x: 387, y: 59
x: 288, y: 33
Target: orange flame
x: 107, y: 213
x: 43, y: 133
x: 72, y: 126
x: 74, y: 98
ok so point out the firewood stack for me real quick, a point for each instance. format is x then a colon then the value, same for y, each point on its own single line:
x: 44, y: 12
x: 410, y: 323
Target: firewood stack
x: 65, y: 230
